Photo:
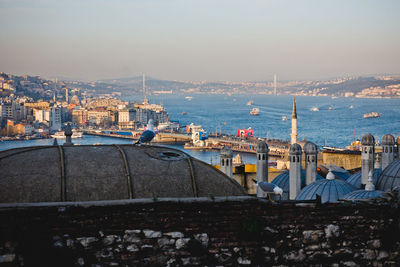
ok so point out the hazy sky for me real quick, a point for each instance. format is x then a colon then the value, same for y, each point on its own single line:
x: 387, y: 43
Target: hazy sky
x: 199, y: 40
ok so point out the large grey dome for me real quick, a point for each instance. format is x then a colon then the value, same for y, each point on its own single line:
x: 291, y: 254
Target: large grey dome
x: 363, y: 194
x: 390, y: 177
x: 310, y: 148
x: 262, y: 147
x: 107, y: 172
x: 282, y: 180
x: 329, y: 190
x: 295, y: 149
x: 367, y: 140
x: 355, y: 179
x: 388, y: 140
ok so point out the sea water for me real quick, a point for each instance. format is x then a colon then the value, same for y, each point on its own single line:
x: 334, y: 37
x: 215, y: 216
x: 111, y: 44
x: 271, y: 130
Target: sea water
x: 337, y: 122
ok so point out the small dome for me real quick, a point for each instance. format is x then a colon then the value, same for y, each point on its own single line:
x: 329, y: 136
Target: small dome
x: 282, y: 180
x: 388, y: 140
x: 363, y: 194
x: 368, y: 140
x: 329, y: 190
x: 355, y: 179
x: 226, y: 151
x: 262, y: 147
x: 75, y: 100
x: 295, y: 149
x: 310, y: 148
x: 390, y: 177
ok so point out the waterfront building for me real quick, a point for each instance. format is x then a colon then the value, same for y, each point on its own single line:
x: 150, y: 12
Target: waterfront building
x: 55, y: 118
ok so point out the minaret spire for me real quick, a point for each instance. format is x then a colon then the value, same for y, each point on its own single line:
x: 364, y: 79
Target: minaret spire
x: 293, y: 135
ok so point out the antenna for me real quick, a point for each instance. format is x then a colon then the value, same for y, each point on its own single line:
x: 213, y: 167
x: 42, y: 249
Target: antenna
x: 275, y: 83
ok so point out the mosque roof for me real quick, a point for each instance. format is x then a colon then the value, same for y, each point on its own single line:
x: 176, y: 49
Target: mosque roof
x: 282, y: 180
x: 330, y: 190
x: 390, y: 177
x: 107, y: 172
x: 367, y: 140
x: 363, y: 194
x: 355, y: 179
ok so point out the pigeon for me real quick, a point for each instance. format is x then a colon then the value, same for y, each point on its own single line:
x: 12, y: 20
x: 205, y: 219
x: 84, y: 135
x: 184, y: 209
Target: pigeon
x: 147, y: 135
x: 269, y: 187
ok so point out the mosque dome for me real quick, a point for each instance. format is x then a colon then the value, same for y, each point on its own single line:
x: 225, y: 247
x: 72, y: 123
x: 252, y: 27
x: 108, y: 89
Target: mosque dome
x: 363, y: 194
x: 107, y: 172
x: 388, y: 140
x: 390, y: 177
x: 282, y: 180
x: 75, y: 100
x: 262, y: 147
x: 330, y: 190
x: 310, y: 148
x: 295, y: 149
x: 367, y: 140
x: 355, y: 179
x: 226, y: 151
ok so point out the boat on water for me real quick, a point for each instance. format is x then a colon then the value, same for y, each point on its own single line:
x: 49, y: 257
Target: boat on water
x: 251, y: 102
x: 330, y: 108
x: 189, y: 98
x: 372, y: 115
x: 351, y: 106
x: 61, y: 135
x: 315, y: 109
x: 184, y: 113
x: 284, y: 118
x: 255, y: 112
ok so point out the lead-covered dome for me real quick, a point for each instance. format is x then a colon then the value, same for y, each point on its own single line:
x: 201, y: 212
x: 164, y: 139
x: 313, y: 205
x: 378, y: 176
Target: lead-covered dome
x: 226, y: 151
x: 330, y: 190
x: 295, y: 149
x: 261, y: 147
x: 390, y: 177
x: 363, y: 195
x: 388, y: 140
x: 282, y: 180
x: 367, y: 140
x: 355, y: 179
x: 107, y: 172
x: 310, y: 148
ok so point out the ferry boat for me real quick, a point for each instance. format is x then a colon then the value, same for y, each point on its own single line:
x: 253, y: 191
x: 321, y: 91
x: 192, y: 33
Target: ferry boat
x: 255, y: 112
x: 61, y: 135
x: 184, y: 113
x: 251, y: 102
x: 315, y: 109
x: 284, y: 118
x: 189, y: 98
x: 372, y: 115
x: 351, y: 106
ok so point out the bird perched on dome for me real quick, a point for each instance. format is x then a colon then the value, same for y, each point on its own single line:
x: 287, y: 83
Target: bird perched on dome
x: 269, y: 187
x: 147, y: 135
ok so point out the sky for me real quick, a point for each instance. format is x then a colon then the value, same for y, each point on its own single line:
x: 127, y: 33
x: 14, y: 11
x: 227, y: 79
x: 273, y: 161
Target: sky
x: 214, y: 40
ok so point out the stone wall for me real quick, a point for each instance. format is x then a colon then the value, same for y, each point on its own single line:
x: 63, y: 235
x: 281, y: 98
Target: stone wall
x: 204, y: 231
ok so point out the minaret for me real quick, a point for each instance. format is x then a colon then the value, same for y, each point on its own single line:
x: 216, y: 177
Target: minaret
x: 294, y: 124
x: 388, y: 152
x: 311, y: 151
x: 226, y: 156
x: 294, y: 171
x: 367, y: 157
x: 66, y: 95
x: 398, y: 146
x: 262, y: 166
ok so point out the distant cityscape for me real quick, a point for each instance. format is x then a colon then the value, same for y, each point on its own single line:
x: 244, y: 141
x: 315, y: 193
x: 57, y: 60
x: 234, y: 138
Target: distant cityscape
x: 34, y: 107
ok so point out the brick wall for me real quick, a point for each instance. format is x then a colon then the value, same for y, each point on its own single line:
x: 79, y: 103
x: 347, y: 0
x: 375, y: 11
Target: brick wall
x: 220, y: 231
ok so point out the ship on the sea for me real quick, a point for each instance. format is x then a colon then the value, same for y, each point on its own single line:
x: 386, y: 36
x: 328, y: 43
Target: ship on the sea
x: 255, y: 112
x: 372, y: 115
x: 315, y: 109
x: 284, y: 118
x: 61, y: 135
x: 251, y: 102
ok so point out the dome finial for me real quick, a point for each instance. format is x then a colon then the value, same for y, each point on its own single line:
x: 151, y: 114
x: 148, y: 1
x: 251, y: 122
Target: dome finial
x: 370, y: 186
x: 330, y: 175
